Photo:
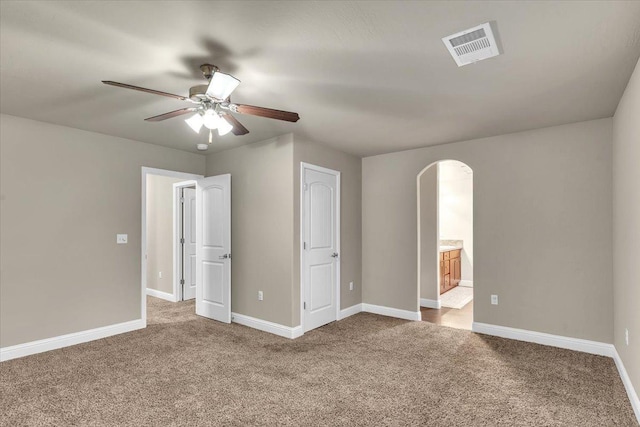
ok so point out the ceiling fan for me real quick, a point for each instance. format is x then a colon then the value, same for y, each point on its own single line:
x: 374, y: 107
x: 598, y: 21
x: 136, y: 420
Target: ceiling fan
x: 212, y: 104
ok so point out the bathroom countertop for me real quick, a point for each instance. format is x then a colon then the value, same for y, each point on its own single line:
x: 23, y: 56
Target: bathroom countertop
x: 449, y: 248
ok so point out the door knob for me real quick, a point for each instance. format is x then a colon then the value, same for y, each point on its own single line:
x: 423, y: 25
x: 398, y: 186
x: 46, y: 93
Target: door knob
x: 334, y: 255
x: 225, y: 256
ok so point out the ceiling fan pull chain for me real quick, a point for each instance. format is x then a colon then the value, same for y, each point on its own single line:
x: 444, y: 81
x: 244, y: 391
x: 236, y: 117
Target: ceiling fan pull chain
x: 210, y: 137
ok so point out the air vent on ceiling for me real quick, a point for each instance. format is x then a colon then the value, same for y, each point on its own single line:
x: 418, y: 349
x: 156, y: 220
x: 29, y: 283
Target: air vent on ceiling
x: 472, y: 45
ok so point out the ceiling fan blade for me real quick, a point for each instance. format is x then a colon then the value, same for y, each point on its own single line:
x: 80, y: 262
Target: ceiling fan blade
x: 142, y: 89
x: 238, y: 128
x: 171, y: 114
x: 264, y: 112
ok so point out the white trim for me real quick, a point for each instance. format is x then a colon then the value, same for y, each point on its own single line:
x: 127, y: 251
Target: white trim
x: 631, y: 392
x: 337, y: 174
x: 177, y: 222
x: 430, y: 303
x: 576, y: 344
x: 143, y: 230
x: 302, y: 270
x: 419, y: 238
x: 392, y: 312
x: 350, y: 311
x: 466, y: 283
x: 47, y: 344
x: 266, y: 326
x: 162, y: 295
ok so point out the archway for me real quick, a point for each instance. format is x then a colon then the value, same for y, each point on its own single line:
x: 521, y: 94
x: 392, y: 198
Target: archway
x: 445, y: 243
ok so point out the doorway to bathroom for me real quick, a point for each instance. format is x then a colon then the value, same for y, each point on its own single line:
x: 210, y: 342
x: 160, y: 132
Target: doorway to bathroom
x: 445, y: 243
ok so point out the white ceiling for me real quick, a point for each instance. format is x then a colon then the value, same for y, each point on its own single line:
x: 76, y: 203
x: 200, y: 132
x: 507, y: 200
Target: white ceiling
x: 365, y: 77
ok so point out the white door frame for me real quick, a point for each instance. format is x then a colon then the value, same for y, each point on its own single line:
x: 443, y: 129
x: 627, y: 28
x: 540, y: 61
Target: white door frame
x: 177, y: 225
x: 307, y: 166
x: 143, y: 232
x: 433, y: 303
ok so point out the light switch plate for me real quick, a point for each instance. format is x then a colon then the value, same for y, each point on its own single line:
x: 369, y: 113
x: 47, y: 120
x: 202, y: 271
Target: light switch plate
x: 121, y: 239
x: 494, y: 299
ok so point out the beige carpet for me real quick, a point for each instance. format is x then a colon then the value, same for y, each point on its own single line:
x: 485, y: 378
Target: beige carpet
x: 365, y: 370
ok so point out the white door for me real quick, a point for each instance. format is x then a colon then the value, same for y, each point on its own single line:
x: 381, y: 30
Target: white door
x: 189, y: 245
x: 213, y: 248
x: 321, y: 242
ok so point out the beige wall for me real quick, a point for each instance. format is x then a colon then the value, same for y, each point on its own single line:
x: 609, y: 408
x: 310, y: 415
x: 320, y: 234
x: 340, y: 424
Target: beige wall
x: 542, y: 228
x: 65, y: 194
x: 261, y: 227
x: 429, y: 260
x: 265, y: 227
x: 350, y: 168
x: 160, y: 232
x: 626, y: 227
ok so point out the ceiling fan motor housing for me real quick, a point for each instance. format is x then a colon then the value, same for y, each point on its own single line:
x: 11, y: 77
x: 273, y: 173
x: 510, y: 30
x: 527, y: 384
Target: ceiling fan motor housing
x: 198, y: 93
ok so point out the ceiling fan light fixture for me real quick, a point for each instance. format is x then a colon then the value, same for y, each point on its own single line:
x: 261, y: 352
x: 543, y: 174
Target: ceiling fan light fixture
x: 210, y: 119
x: 195, y: 122
x: 224, y: 127
x: 222, y: 85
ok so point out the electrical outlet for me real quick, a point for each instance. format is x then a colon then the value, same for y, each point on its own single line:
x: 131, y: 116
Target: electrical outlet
x: 350, y: 286
x: 626, y: 336
x: 260, y: 296
x: 494, y: 299
x: 159, y: 274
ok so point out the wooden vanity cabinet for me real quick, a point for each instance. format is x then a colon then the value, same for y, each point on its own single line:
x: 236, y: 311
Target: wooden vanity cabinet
x: 442, y: 285
x: 450, y: 270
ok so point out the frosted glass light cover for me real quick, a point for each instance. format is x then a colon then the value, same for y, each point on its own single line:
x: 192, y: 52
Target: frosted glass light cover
x: 222, y: 85
x: 224, y: 127
x: 195, y: 122
x: 210, y: 119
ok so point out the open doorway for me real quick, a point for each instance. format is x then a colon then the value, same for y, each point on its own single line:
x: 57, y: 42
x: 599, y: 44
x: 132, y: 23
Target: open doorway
x: 186, y: 240
x: 445, y: 244
x: 163, y: 229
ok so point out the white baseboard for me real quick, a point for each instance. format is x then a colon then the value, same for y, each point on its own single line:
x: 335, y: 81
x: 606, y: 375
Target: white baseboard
x: 577, y: 344
x: 281, y: 330
x: 162, y: 295
x: 430, y: 303
x: 392, y: 312
x: 631, y: 392
x: 466, y: 283
x: 350, y: 311
x: 266, y: 326
x: 47, y: 344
